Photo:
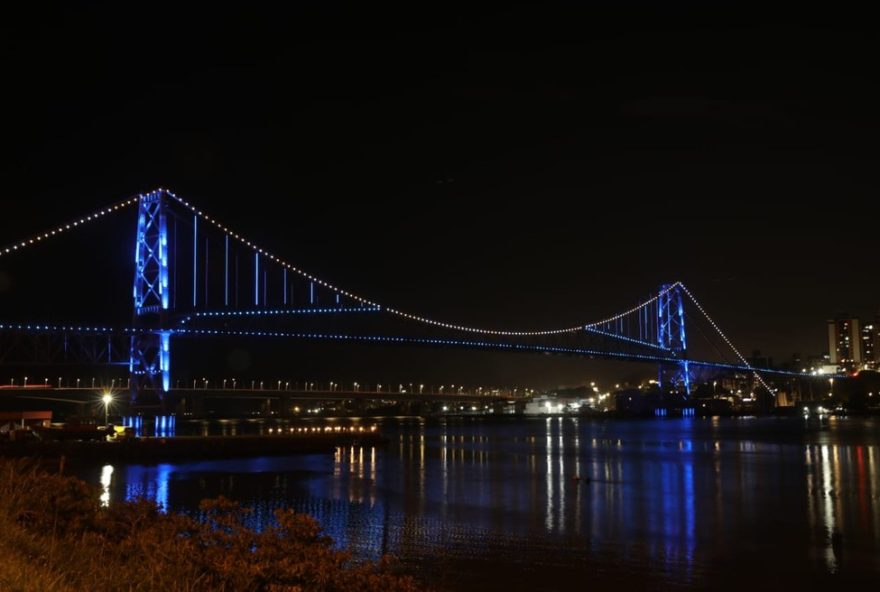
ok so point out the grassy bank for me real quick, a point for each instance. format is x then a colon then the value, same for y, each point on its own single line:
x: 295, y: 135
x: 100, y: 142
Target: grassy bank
x: 56, y: 537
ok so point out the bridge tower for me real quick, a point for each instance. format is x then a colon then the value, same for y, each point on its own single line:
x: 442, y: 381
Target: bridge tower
x: 150, y: 357
x: 671, y: 337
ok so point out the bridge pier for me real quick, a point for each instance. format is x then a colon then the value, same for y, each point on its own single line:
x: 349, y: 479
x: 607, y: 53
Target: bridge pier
x: 285, y: 406
x: 192, y: 404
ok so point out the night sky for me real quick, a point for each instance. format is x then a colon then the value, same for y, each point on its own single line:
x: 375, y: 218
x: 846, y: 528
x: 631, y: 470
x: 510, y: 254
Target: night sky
x: 516, y: 167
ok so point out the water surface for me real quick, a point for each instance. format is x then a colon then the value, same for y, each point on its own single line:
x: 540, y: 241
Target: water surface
x: 544, y: 504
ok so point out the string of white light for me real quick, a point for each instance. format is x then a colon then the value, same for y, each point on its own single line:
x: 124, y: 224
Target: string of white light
x: 413, y: 317
x: 278, y: 260
x: 724, y: 337
x: 69, y: 226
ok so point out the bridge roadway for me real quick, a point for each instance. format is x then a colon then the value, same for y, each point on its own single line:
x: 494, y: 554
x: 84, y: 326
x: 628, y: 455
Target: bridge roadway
x: 85, y: 394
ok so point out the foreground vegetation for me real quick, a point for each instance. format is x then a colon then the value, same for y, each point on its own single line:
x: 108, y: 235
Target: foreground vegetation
x: 56, y: 537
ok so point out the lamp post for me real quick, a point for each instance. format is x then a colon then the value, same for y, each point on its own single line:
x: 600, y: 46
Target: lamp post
x: 107, y: 398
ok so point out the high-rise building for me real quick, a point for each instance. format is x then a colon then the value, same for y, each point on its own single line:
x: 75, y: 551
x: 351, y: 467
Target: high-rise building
x: 845, y: 342
x: 871, y: 345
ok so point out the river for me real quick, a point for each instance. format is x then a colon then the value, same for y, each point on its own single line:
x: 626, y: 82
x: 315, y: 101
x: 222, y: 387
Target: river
x: 547, y: 504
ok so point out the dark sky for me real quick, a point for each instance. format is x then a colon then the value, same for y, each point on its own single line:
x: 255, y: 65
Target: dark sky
x: 524, y: 166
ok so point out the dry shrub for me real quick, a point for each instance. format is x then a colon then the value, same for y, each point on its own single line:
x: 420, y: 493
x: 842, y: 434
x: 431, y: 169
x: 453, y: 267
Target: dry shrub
x: 55, y: 525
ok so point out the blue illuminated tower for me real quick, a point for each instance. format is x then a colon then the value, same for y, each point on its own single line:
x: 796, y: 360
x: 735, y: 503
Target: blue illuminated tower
x: 150, y: 358
x: 671, y: 336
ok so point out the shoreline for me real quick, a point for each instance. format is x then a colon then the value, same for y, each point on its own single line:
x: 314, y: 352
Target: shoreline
x: 185, y: 447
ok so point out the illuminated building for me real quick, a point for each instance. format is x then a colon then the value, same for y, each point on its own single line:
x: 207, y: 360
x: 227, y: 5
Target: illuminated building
x: 870, y: 338
x: 845, y: 342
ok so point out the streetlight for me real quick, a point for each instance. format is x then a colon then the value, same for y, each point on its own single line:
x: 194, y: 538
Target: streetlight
x: 831, y: 392
x: 107, y: 399
x: 715, y: 388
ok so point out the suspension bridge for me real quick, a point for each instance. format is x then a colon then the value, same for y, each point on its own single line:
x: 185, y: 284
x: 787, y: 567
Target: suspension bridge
x: 195, y: 278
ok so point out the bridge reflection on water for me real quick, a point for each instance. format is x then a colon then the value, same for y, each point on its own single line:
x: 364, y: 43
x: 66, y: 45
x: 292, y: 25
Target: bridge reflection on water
x: 531, y: 503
